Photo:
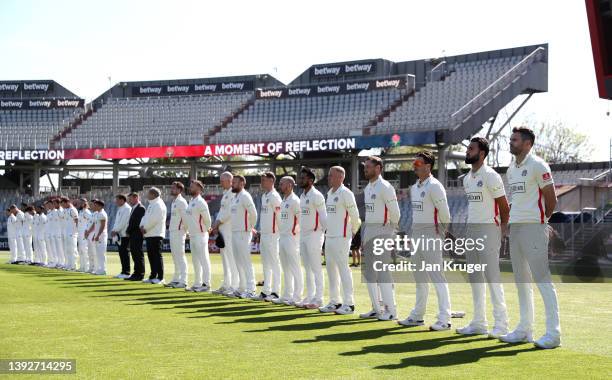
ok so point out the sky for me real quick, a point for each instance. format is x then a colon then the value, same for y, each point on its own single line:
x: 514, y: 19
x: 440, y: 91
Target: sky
x: 81, y: 44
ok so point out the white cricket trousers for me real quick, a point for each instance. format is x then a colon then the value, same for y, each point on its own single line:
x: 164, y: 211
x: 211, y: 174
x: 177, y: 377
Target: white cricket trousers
x: 489, y: 256
x: 380, y: 284
x: 52, y: 256
x: 12, y: 242
x: 338, y: 271
x: 201, y: 259
x: 40, y: 249
x: 21, y: 255
x: 27, y: 247
x: 83, y: 247
x: 231, y: 278
x: 241, y: 247
x: 91, y: 249
x: 177, y: 248
x: 70, y: 251
x: 289, y: 255
x: 529, y: 256
x: 310, y: 251
x: 270, y: 261
x: 58, y: 245
x: 424, y: 277
x: 100, y: 247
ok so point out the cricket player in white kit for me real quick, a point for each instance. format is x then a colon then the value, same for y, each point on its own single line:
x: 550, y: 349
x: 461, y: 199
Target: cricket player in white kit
x: 244, y: 217
x: 223, y: 226
x: 269, y: 219
x: 430, y: 220
x: 99, y: 232
x: 35, y: 235
x: 26, y: 234
x: 52, y: 256
x: 178, y: 230
x: 342, y: 224
x: 382, y: 215
x: 488, y: 213
x: 11, y: 231
x: 85, y: 218
x: 71, y: 220
x: 533, y: 201
x: 313, y: 223
x: 42, y: 235
x: 288, y: 243
x: 198, y: 225
x: 57, y: 228
x: 91, y: 244
x: 38, y: 236
x: 21, y: 253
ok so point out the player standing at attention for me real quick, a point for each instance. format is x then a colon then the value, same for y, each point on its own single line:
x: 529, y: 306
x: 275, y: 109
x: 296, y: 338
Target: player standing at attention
x: 178, y: 230
x: 533, y: 199
x: 488, y: 214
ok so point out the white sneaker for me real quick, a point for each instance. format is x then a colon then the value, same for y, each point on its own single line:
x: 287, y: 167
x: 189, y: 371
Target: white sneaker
x: 302, y: 303
x: 122, y: 275
x: 548, y: 341
x: 472, y: 330
x: 157, y: 281
x: 497, y: 332
x: 330, y: 307
x: 289, y: 302
x: 345, y: 310
x: 101, y: 273
x: 248, y: 295
x: 259, y: 297
x: 279, y: 301
x: 370, y: 314
x: 410, y: 322
x: 147, y: 281
x: 271, y: 297
x: 313, y: 304
x: 386, y: 316
x: 219, y: 291
x: 200, y: 289
x: 440, y: 326
x: 178, y: 285
x: 517, y: 336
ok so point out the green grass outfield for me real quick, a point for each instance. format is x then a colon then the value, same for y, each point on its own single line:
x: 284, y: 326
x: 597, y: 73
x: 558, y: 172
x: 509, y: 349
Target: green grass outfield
x: 124, y: 330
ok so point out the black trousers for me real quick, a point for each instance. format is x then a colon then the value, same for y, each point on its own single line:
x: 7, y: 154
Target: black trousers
x: 154, y: 253
x: 124, y: 255
x: 137, y: 256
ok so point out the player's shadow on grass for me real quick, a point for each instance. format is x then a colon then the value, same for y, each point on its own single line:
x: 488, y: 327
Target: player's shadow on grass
x: 238, y: 310
x: 359, y: 334
x: 453, y: 358
x: 314, y: 325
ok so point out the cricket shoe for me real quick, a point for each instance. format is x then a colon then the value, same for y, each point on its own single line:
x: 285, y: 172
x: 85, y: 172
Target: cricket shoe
x: 517, y: 336
x: 345, y: 310
x: 411, y: 322
x: 330, y: 307
x: 440, y: 326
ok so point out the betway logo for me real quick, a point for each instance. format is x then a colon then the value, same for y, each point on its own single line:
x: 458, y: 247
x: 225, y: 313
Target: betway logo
x: 150, y: 90
x: 40, y: 103
x: 328, y: 89
x: 11, y: 103
x: 177, y: 88
x: 358, y: 86
x: 232, y: 86
x: 9, y: 87
x: 387, y: 83
x: 358, y: 68
x: 67, y: 103
x: 36, y: 86
x: 270, y: 94
x: 333, y: 70
x: 205, y: 87
x: 299, y: 91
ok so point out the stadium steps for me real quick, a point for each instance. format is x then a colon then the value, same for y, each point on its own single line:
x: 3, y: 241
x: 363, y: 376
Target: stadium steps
x: 249, y: 103
x: 70, y: 127
x: 367, y: 130
x: 526, y: 77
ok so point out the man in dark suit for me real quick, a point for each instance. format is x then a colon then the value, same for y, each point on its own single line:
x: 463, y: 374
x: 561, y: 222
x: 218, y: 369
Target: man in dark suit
x: 135, y: 235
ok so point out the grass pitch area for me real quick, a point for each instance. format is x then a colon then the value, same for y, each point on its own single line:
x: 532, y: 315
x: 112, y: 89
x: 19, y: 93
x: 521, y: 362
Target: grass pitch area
x: 124, y: 330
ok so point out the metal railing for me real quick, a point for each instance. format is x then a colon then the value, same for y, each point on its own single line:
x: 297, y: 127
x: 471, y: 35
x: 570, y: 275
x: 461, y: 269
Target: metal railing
x: 502, y: 82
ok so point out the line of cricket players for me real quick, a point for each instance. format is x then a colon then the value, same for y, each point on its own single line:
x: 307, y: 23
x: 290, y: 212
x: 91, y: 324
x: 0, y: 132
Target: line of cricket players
x: 293, y: 230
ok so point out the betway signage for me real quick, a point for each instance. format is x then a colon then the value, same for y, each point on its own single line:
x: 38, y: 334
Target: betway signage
x: 349, y: 143
x: 357, y: 68
x: 192, y: 88
x: 19, y: 104
x: 27, y: 87
x: 331, y: 89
